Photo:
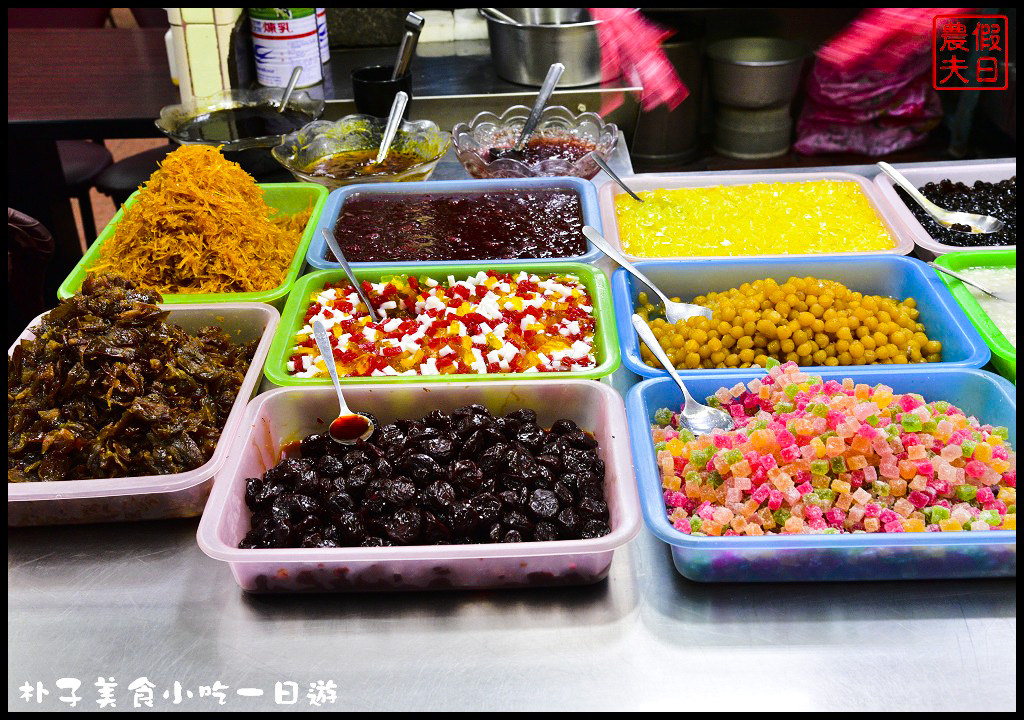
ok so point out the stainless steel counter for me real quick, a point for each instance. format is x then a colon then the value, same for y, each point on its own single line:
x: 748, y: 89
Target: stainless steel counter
x: 127, y: 601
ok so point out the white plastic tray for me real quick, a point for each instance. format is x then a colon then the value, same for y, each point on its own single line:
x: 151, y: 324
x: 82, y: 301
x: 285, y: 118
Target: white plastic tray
x: 285, y: 415
x: 967, y: 174
x: 153, y: 496
x: 607, y: 193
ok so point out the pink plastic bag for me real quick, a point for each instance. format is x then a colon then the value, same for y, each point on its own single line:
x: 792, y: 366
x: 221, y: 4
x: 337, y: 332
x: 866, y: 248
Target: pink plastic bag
x: 870, y: 89
x: 870, y: 113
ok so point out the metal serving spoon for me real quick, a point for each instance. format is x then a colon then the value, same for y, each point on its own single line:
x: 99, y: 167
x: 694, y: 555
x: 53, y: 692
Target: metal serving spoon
x: 516, y: 151
x: 348, y: 426
x: 340, y: 257
x: 618, y: 181
x: 674, y: 311
x: 296, y: 71
x: 979, y: 224
x: 700, y: 419
x: 391, y: 129
x: 997, y: 294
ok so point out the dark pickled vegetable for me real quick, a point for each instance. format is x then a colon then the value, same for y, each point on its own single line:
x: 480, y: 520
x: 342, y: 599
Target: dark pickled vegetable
x: 108, y: 389
x: 445, y: 479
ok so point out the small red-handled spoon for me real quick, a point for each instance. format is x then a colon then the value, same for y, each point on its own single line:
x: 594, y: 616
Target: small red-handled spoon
x: 348, y: 427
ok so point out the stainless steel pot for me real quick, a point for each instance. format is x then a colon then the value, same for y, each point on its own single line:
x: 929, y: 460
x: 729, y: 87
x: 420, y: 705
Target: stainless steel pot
x: 523, y: 52
x: 755, y: 73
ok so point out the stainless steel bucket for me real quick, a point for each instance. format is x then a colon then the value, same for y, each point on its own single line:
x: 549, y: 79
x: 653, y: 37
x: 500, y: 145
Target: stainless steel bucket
x: 523, y: 53
x: 755, y: 73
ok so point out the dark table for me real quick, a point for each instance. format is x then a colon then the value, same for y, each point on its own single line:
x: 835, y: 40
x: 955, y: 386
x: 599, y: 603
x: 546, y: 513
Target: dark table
x: 75, y: 84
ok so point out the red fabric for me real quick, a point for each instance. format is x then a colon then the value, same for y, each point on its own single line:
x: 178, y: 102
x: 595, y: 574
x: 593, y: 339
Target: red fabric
x: 631, y: 48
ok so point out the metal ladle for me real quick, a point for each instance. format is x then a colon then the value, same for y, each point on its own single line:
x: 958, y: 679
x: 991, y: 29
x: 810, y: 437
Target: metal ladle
x: 296, y: 71
x: 997, y: 294
x: 674, y: 311
x: 348, y: 427
x: 391, y: 129
x: 978, y: 224
x: 340, y: 257
x: 618, y: 181
x: 700, y: 419
x: 546, y: 90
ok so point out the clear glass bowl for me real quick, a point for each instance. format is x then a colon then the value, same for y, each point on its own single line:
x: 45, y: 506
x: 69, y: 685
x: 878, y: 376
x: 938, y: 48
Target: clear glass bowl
x: 173, y: 117
x: 323, y: 138
x: 474, y: 140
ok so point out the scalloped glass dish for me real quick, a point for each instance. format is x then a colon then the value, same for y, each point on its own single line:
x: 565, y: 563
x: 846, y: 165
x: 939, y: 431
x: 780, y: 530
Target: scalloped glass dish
x: 299, y: 151
x: 474, y: 141
x: 174, y: 117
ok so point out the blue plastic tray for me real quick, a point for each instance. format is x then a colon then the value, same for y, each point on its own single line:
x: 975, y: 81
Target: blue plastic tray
x: 795, y: 558
x: 889, y: 275
x: 317, y: 252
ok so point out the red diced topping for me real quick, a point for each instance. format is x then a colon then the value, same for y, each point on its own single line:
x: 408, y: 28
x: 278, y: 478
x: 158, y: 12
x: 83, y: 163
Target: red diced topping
x: 414, y: 284
x: 446, y: 360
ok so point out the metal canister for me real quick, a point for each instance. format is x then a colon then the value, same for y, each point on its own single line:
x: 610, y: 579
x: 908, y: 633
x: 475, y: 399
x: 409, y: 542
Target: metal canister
x: 281, y: 39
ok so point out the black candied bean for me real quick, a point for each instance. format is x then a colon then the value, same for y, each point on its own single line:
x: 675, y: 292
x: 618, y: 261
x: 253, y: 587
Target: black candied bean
x: 287, y: 471
x: 356, y: 457
x: 569, y: 521
x: 592, y: 507
x: 564, y: 427
x: 439, y: 448
x: 487, y: 508
x: 421, y: 468
x: 338, y: 503
x: 458, y: 478
x: 524, y: 416
x: 359, y: 478
x: 315, y: 446
x: 404, y: 526
x: 996, y: 199
x: 544, y: 503
x: 513, y: 536
x: 388, y: 435
x: 399, y: 490
x: 545, y: 532
x: 330, y: 466
x: 439, y: 495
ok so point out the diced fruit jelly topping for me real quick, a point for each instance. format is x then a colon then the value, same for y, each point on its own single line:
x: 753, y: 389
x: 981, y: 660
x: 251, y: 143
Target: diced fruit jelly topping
x: 491, y: 322
x: 813, y: 456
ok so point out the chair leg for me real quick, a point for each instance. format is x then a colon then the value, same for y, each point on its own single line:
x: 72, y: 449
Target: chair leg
x: 88, y: 219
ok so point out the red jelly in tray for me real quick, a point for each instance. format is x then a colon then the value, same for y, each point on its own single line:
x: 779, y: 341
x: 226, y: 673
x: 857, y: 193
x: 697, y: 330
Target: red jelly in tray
x: 471, y: 226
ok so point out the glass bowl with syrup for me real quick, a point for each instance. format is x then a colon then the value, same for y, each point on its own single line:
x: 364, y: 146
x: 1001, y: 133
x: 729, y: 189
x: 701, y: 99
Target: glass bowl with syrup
x: 246, y: 124
x: 563, y: 144
x: 343, y: 152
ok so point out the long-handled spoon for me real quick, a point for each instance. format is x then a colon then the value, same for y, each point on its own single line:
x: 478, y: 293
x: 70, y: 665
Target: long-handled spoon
x: 496, y: 13
x: 340, y: 257
x: 348, y: 426
x: 978, y: 224
x: 296, y: 71
x: 394, y: 120
x: 998, y: 294
x: 674, y: 311
x: 516, y: 151
x: 618, y: 181
x: 700, y: 419
x: 413, y: 27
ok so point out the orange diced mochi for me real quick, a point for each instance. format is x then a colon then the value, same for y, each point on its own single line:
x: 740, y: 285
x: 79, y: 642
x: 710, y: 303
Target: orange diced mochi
x: 1009, y: 522
x: 950, y: 525
x: 913, y: 525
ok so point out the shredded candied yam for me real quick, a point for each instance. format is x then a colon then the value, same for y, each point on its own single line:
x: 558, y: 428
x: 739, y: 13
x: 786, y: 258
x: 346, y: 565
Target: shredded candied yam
x: 201, y: 225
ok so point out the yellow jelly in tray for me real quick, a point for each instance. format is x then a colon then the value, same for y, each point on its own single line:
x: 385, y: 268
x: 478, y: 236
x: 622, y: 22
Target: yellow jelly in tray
x: 820, y: 216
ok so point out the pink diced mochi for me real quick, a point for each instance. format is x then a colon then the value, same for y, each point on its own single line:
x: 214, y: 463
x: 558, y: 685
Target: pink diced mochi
x: 996, y: 505
x: 813, y: 512
x: 871, y: 510
x: 804, y: 488
x: 774, y: 500
x: 1010, y: 478
x: 894, y: 526
x: 999, y: 453
x: 742, y: 483
x: 975, y: 468
x: 817, y: 525
x: 984, y: 495
x: 835, y: 517
x: 761, y: 493
x: 792, y: 496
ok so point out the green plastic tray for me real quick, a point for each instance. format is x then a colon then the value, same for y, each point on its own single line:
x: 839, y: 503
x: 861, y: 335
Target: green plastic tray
x: 1004, y: 355
x: 606, y: 344
x: 288, y: 198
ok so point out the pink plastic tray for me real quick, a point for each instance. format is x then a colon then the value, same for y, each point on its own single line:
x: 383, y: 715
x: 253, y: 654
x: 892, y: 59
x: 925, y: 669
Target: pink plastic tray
x: 642, y: 183
x: 154, y: 496
x: 967, y: 174
x: 284, y: 415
